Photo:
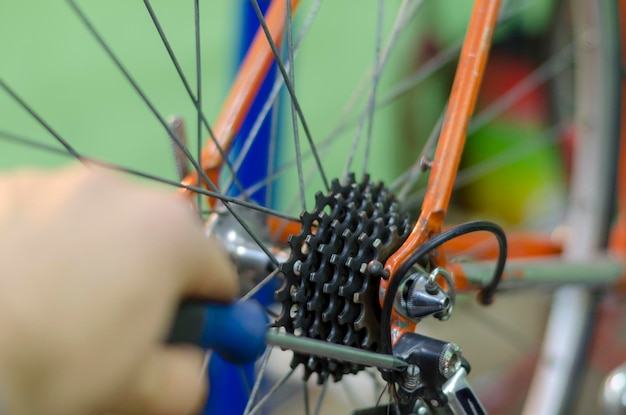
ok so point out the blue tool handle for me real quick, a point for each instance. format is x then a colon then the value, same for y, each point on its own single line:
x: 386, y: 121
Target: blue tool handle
x: 236, y: 331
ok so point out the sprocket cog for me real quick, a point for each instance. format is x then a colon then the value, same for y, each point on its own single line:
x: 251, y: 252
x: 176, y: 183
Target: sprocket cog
x: 330, y: 289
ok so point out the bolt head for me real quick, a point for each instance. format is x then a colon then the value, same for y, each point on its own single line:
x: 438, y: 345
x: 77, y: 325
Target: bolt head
x: 375, y: 267
x: 413, y: 370
x: 297, y: 267
x: 450, y: 360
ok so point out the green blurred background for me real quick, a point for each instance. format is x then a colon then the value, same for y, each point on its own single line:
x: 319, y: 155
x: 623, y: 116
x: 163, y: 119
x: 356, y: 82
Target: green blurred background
x: 52, y: 61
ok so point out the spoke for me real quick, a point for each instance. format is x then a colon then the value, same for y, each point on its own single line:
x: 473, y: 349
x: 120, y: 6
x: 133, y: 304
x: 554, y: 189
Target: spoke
x: 403, y: 16
x: 416, y: 170
x: 273, y: 390
x: 407, y: 10
x: 150, y: 105
x: 259, y: 379
x: 424, y: 71
x: 546, y: 138
x: 294, y: 117
x: 195, y: 99
x: 198, y: 101
x: 272, y: 98
x: 115, y: 167
x: 287, y: 166
x: 91, y: 28
x: 271, y: 154
x: 435, y: 63
x: 368, y: 114
x: 260, y: 285
x: 40, y: 120
x: 542, y: 74
x: 291, y: 90
x: 275, y: 103
x: 310, y: 174
x: 372, y: 98
x: 320, y: 400
x: 539, y: 76
x: 439, y: 60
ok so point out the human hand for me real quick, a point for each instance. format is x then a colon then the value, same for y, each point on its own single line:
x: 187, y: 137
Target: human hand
x: 91, y: 270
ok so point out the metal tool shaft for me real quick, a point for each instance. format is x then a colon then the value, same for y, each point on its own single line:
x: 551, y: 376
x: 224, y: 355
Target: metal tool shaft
x: 335, y: 351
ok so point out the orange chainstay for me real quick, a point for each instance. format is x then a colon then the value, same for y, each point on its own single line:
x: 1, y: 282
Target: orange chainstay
x: 448, y: 154
x: 250, y: 76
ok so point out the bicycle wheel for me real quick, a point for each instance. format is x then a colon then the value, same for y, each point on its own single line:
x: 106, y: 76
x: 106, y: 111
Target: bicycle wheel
x: 124, y: 115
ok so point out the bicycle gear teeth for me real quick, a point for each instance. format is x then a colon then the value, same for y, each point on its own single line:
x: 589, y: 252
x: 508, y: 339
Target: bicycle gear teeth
x: 330, y: 290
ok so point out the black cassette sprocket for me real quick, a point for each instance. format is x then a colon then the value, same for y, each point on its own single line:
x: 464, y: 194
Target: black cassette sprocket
x: 330, y: 289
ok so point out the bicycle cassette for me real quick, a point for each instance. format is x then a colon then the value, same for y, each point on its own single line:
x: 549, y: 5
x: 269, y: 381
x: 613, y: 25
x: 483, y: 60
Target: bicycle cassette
x: 330, y: 289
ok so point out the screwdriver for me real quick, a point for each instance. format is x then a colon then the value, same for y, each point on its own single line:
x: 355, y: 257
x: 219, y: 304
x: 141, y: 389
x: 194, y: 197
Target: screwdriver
x: 239, y: 333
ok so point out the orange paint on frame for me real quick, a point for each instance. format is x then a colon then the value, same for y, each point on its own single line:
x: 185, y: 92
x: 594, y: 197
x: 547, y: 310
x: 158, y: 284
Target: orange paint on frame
x: 252, y: 72
x: 450, y: 147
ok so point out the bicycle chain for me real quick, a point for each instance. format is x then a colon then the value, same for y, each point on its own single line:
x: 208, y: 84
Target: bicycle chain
x: 330, y: 289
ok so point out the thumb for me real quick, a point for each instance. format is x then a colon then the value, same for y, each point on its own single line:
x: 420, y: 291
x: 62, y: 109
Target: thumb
x: 171, y: 381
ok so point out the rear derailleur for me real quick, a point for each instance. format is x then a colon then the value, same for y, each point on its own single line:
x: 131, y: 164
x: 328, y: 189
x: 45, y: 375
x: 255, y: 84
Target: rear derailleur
x: 434, y: 382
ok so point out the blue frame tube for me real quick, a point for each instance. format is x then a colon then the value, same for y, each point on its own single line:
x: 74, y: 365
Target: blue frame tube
x: 230, y: 384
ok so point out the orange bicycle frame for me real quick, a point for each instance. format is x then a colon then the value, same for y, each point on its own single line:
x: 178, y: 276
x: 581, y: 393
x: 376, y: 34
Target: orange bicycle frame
x: 443, y: 166
x: 250, y: 76
x: 447, y: 157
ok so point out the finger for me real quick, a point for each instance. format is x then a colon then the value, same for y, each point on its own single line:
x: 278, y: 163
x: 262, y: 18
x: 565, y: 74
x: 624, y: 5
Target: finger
x: 215, y: 277
x: 200, y: 267
x: 172, y: 381
x: 176, y: 234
